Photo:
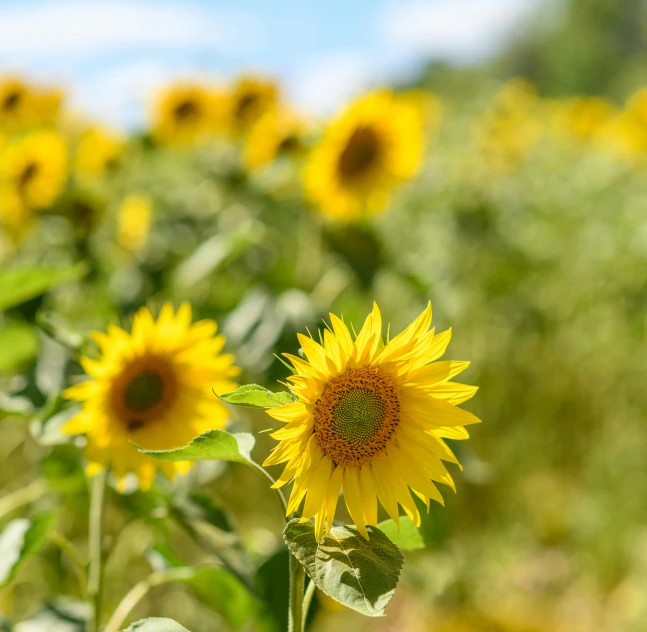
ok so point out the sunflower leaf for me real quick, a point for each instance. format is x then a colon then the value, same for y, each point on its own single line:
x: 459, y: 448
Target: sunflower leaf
x: 18, y: 285
x: 360, y: 574
x: 19, y: 344
x: 19, y: 539
x: 214, y: 445
x: 408, y: 538
x: 156, y: 624
x: 255, y: 396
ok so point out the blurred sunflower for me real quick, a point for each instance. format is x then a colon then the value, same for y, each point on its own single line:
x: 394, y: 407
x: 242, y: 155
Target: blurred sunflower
x: 370, y: 420
x: 46, y: 106
x: 134, y: 222
x: 32, y: 174
x: 627, y: 132
x: 151, y: 387
x: 279, y: 133
x: 98, y: 152
x: 187, y: 112
x: 14, y: 102
x: 373, y: 145
x: 251, y: 98
x: 582, y: 117
x: 511, y: 126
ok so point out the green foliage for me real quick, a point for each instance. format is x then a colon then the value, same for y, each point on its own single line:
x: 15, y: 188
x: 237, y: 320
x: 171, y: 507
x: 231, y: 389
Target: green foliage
x: 214, y: 445
x: 19, y: 344
x: 155, y: 624
x: 407, y: 537
x: 18, y: 285
x: 254, y: 396
x: 19, y: 539
x: 361, y: 574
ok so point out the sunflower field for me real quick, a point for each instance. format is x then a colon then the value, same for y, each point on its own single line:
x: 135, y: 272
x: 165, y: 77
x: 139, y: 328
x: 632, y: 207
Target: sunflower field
x: 225, y: 403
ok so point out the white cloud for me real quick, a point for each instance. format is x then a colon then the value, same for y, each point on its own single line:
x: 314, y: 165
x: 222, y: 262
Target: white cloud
x: 321, y: 84
x: 81, y: 27
x: 458, y: 29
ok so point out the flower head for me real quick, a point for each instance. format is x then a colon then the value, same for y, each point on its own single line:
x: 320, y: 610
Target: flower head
x: 373, y: 145
x: 33, y: 171
x: 134, y: 221
x: 277, y: 134
x: 151, y: 387
x: 251, y: 98
x: 370, y: 420
x: 189, y: 112
x: 98, y: 151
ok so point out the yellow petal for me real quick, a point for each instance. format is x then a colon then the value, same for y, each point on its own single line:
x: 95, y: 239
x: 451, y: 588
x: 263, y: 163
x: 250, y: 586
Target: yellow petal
x: 354, y: 499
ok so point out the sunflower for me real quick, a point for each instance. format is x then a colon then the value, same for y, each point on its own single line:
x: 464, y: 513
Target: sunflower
x: 188, y: 112
x: 279, y: 133
x: 369, y: 148
x: 370, y: 419
x: 14, y: 102
x: 151, y: 387
x: 98, y: 152
x: 251, y: 98
x: 32, y: 174
x: 582, y: 117
x: 134, y: 221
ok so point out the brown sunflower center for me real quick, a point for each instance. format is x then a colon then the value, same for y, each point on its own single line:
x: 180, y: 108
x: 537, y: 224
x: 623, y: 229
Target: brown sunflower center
x: 356, y: 416
x: 361, y: 154
x: 186, y: 110
x: 144, y: 393
x: 290, y: 145
x: 11, y: 101
x: 247, y: 106
x: 27, y: 175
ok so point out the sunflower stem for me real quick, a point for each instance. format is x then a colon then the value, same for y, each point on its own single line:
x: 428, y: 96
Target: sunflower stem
x: 307, y: 600
x: 95, y: 571
x: 297, y: 584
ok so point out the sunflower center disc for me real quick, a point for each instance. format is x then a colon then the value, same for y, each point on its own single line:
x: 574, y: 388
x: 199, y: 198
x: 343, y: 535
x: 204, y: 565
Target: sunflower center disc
x: 186, y: 110
x: 144, y: 392
x: 356, y: 415
x: 360, y: 154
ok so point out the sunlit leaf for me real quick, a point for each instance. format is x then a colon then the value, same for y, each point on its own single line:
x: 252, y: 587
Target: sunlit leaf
x: 408, y: 538
x: 255, y: 396
x: 19, y: 345
x: 19, y: 539
x: 214, y: 445
x: 360, y: 574
x: 18, y: 285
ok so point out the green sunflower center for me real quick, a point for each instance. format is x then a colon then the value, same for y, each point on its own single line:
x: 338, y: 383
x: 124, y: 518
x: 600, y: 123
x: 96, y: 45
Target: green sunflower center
x: 144, y: 392
x: 357, y: 415
x: 361, y: 153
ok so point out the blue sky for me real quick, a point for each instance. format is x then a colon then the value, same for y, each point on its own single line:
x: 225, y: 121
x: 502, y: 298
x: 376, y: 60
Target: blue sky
x: 112, y: 55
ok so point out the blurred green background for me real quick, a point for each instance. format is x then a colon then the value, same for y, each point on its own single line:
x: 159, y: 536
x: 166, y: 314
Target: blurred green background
x: 526, y: 228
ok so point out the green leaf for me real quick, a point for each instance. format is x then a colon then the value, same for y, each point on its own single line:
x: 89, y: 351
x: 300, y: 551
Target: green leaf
x: 19, y: 344
x: 255, y: 396
x: 156, y: 625
x: 214, y: 445
x: 408, y: 538
x: 18, y: 285
x: 224, y: 593
x: 19, y: 539
x: 360, y: 574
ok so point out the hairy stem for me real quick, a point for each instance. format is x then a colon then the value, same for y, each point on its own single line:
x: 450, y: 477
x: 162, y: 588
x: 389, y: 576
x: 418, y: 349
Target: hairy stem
x: 307, y: 600
x: 297, y: 584
x: 95, y: 571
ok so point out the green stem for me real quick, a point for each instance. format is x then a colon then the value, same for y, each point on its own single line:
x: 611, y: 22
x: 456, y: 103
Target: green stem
x: 95, y: 571
x: 74, y: 556
x: 307, y: 600
x: 297, y: 584
x: 21, y: 497
x: 141, y: 589
x: 278, y: 492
